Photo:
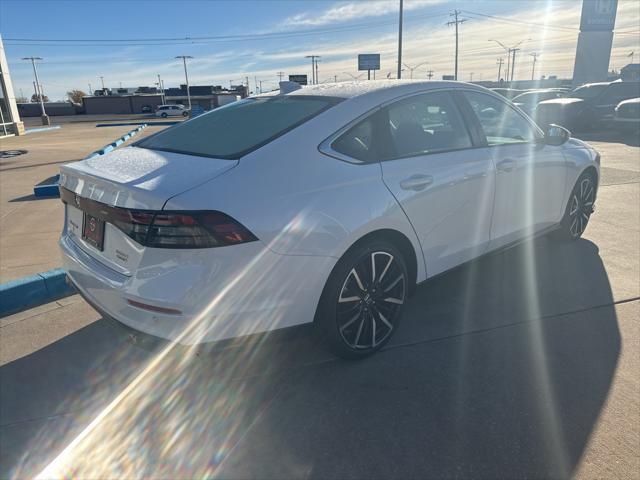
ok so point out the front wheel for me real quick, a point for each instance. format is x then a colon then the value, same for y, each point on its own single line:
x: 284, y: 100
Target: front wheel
x: 579, y: 208
x: 163, y: 115
x: 363, y: 299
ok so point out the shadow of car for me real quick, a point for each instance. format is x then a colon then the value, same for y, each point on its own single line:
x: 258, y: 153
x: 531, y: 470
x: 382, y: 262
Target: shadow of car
x: 499, y: 372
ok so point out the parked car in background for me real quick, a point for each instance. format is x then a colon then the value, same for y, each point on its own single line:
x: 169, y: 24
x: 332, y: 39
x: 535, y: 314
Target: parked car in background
x: 627, y: 115
x: 508, y: 92
x: 331, y: 211
x: 586, y: 107
x: 172, y: 111
x: 528, y: 101
x: 146, y: 109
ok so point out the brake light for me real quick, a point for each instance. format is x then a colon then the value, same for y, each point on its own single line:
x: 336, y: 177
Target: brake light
x: 166, y: 229
x: 195, y: 230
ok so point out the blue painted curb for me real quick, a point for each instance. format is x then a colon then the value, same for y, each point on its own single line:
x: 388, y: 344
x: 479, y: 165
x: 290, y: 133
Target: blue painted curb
x: 48, y: 187
x: 117, y: 142
x: 41, y: 129
x: 34, y: 290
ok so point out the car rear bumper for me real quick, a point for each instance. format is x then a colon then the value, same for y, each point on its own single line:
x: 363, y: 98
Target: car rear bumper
x: 236, y: 291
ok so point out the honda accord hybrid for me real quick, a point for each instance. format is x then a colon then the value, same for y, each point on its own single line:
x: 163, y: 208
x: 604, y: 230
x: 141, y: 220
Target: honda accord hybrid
x: 323, y: 204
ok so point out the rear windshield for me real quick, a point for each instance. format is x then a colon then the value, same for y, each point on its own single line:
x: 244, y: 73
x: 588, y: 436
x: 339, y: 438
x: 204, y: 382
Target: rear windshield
x: 589, y: 91
x: 239, y: 127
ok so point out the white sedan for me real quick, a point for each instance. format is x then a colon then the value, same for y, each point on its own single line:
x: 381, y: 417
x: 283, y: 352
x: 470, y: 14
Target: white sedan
x: 325, y: 204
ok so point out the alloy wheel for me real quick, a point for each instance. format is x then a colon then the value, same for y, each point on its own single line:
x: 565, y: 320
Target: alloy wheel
x: 370, y: 300
x: 581, y: 207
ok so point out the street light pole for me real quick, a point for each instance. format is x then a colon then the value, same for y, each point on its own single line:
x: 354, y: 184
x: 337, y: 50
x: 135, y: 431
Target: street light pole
x: 400, y: 43
x: 186, y: 77
x: 535, y: 56
x: 511, y: 55
x: 102, y: 81
x: 44, y: 116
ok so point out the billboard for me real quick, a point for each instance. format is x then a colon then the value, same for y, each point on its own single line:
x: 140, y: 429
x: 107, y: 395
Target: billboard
x: 598, y: 15
x: 299, y: 79
x: 369, y: 61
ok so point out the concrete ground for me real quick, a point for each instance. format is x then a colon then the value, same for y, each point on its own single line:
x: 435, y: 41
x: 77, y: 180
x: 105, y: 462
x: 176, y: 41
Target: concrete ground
x: 30, y: 226
x: 524, y: 364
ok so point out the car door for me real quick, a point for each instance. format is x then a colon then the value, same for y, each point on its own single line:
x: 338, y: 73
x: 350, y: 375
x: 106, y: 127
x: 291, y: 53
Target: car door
x: 614, y: 94
x: 530, y: 176
x: 445, y: 186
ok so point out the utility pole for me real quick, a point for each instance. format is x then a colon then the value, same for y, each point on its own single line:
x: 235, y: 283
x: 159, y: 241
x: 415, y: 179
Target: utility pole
x: 471, y: 76
x: 535, y: 56
x: 246, y: 79
x: 161, y: 87
x: 335, y: 79
x: 314, y: 68
x: 513, y: 62
x: 456, y: 22
x: 400, y: 43
x: 280, y: 75
x: 429, y: 74
x: 499, y: 62
x: 186, y: 77
x: 90, y: 90
x: 102, y: 80
x: 317, y: 77
x: 44, y: 117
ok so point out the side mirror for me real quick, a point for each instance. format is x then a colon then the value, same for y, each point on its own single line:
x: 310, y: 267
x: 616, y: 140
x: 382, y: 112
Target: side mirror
x: 556, y: 135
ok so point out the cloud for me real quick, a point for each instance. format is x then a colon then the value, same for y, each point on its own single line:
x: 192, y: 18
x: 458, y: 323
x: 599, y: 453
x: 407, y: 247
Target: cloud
x: 345, y: 12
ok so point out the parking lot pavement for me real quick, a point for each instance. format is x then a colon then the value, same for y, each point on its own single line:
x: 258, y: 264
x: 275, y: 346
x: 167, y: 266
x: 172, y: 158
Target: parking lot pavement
x: 30, y: 226
x: 522, y: 364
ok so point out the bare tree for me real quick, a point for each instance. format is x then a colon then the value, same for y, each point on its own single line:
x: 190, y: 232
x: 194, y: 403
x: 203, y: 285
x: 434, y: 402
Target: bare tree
x: 76, y: 95
x: 36, y: 98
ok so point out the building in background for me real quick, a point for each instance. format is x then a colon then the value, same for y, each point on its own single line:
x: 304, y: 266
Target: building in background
x: 10, y: 123
x: 593, y: 52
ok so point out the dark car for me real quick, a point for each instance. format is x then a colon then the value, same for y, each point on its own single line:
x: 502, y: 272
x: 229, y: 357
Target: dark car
x: 146, y: 109
x: 528, y: 101
x: 586, y: 107
x: 508, y: 92
x: 627, y: 116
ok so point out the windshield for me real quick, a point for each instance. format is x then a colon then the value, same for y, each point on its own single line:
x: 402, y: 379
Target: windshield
x: 588, y: 91
x: 236, y: 129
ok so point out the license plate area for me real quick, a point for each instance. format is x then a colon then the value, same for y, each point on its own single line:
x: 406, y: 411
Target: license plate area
x: 93, y: 231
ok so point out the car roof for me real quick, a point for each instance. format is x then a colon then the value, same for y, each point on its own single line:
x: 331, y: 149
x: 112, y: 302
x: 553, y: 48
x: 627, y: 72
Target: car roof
x: 357, y: 88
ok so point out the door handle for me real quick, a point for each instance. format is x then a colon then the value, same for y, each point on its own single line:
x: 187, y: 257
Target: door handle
x: 416, y: 182
x: 506, y: 165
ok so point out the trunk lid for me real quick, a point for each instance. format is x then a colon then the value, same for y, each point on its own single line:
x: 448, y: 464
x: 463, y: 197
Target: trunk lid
x: 134, y: 178
x: 139, y: 178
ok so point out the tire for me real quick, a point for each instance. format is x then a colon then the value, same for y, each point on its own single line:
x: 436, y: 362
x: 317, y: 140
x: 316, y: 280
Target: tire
x: 163, y: 115
x: 185, y: 114
x: 579, y: 208
x: 363, y: 298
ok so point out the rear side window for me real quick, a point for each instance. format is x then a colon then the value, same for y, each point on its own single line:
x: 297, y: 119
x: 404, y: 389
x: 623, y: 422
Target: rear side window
x: 427, y: 123
x: 240, y: 127
x: 501, y: 123
x: 357, y: 142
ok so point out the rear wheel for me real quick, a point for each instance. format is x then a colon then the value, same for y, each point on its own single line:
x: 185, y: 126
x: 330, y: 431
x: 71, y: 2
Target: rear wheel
x: 363, y: 299
x: 163, y: 115
x: 579, y: 208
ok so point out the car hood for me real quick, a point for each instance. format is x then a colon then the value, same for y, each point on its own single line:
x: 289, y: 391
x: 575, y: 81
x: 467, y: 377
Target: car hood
x: 135, y: 177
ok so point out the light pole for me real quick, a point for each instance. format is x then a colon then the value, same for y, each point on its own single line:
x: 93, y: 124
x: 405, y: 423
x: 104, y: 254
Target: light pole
x: 186, y: 77
x: 535, y: 56
x: 161, y: 87
x: 44, y: 117
x: 354, y: 76
x: 511, y: 55
x: 400, y: 43
x: 314, y: 68
x: 411, y: 69
x: 102, y: 81
x: 90, y: 91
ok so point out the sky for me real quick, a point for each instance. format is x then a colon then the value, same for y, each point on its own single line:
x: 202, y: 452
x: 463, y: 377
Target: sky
x: 130, y: 42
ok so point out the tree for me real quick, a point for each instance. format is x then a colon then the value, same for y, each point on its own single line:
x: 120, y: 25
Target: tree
x: 36, y: 98
x: 76, y: 95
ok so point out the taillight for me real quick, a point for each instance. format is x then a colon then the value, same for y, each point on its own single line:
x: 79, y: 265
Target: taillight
x: 166, y: 229
x: 195, y: 230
